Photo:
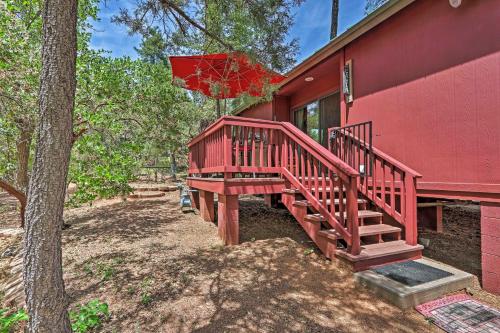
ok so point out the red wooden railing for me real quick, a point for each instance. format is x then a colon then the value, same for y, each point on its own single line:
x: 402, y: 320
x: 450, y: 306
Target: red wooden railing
x: 389, y: 184
x: 243, y: 145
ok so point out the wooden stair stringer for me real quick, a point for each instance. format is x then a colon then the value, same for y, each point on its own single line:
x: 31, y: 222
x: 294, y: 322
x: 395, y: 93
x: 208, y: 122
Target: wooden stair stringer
x: 327, y: 246
x: 332, y: 220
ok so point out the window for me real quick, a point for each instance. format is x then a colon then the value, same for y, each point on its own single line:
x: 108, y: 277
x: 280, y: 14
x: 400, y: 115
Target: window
x: 316, y: 117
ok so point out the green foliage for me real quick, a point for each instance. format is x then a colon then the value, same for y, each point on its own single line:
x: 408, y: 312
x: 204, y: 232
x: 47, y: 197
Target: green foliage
x: 309, y: 251
x: 146, y: 298
x: 20, y: 66
x: 9, y: 320
x: 104, y: 270
x: 259, y: 27
x: 88, y: 317
x: 127, y: 112
x: 153, y: 48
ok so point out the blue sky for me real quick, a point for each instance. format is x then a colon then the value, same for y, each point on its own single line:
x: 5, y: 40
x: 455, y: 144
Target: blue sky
x: 312, y: 26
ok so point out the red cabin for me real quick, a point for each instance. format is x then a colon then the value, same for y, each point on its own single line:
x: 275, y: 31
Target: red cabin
x: 402, y: 108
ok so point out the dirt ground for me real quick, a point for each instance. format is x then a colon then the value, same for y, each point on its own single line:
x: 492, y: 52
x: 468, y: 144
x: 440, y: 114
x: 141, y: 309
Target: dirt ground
x: 9, y: 215
x: 460, y: 243
x: 161, y: 270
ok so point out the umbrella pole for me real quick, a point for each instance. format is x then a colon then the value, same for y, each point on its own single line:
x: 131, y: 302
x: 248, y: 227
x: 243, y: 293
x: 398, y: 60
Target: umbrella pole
x: 218, y: 108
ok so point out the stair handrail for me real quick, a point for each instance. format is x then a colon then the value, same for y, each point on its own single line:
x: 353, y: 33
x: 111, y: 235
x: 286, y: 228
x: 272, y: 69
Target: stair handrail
x: 348, y: 175
x: 407, y: 215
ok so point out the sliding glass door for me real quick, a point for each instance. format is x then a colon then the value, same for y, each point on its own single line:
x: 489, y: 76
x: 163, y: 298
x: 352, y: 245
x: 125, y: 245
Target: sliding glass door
x: 316, y: 117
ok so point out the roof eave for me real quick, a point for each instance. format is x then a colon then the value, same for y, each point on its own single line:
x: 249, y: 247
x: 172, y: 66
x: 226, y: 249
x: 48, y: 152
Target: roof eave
x: 369, y: 22
x: 378, y: 16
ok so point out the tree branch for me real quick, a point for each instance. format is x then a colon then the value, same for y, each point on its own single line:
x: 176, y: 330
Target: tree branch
x: 169, y: 4
x: 18, y: 194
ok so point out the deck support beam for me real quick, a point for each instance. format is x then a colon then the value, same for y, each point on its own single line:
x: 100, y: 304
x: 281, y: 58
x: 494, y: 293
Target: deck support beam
x: 195, y: 199
x: 207, y: 206
x: 268, y: 200
x: 430, y: 216
x: 490, y: 246
x: 228, y: 219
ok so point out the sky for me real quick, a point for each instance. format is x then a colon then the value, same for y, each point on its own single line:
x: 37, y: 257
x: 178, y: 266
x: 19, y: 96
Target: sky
x: 311, y: 27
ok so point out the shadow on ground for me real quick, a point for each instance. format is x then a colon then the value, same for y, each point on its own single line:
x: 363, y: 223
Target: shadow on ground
x: 164, y: 271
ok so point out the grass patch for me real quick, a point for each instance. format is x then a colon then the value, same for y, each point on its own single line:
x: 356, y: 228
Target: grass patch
x: 88, y: 317
x: 104, y: 270
x: 9, y: 319
x: 146, y: 296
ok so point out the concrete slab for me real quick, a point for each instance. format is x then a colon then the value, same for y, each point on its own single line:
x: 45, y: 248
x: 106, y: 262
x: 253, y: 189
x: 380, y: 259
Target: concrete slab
x: 407, y: 296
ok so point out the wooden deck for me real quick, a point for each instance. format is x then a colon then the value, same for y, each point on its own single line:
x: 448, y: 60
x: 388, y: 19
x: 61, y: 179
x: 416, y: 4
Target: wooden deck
x: 235, y: 186
x: 346, y: 215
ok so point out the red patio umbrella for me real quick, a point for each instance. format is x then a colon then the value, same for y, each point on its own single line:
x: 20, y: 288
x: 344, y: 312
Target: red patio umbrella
x: 222, y: 75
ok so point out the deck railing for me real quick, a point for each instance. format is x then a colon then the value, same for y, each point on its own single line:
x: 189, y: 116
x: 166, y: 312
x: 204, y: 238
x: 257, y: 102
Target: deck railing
x: 353, y: 144
x: 243, y: 145
x: 388, y: 183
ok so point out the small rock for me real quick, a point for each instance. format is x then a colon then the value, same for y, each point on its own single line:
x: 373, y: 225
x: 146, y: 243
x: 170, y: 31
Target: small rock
x: 9, y: 252
x: 424, y: 241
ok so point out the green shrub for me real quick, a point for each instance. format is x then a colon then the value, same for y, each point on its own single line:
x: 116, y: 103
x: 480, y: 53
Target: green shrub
x: 8, y: 321
x: 89, y: 316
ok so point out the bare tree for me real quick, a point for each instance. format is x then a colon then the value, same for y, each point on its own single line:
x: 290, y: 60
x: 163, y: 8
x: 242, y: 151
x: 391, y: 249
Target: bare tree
x: 335, y: 19
x: 46, y: 299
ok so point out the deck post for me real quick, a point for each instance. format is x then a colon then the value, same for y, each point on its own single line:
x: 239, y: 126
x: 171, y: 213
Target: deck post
x: 268, y: 200
x: 195, y: 199
x: 411, y: 209
x: 228, y: 219
x: 207, y: 206
x: 352, y: 215
x: 490, y: 246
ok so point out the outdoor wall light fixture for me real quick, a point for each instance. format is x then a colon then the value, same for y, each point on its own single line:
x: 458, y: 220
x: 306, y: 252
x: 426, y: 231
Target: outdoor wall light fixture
x: 455, y: 3
x: 309, y: 79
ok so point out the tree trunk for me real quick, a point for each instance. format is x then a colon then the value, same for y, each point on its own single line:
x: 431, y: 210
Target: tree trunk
x: 218, y: 108
x: 335, y: 19
x: 23, y: 155
x: 46, y: 299
x: 173, y: 166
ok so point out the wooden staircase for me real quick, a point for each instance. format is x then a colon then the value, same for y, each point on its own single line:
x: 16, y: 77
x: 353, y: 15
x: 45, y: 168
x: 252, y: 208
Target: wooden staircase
x: 380, y: 243
x: 355, y: 202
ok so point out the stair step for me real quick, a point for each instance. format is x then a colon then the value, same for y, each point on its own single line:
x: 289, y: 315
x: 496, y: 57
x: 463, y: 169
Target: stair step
x: 336, y: 201
x: 295, y: 190
x: 330, y: 234
x: 291, y: 190
x: 366, y: 230
x: 362, y: 214
x: 315, y: 218
x: 320, y: 218
x: 377, y: 229
x: 379, y: 250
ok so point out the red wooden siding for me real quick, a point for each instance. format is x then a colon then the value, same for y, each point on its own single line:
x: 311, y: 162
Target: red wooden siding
x: 259, y: 111
x: 429, y: 79
x: 281, y: 108
x: 326, y: 81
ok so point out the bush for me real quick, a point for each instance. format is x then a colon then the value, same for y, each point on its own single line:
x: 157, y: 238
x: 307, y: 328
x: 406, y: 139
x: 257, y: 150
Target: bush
x: 89, y: 316
x: 8, y: 321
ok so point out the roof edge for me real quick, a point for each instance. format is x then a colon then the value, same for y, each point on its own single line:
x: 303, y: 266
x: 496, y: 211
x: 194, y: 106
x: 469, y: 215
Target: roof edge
x: 366, y: 24
x: 375, y: 18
